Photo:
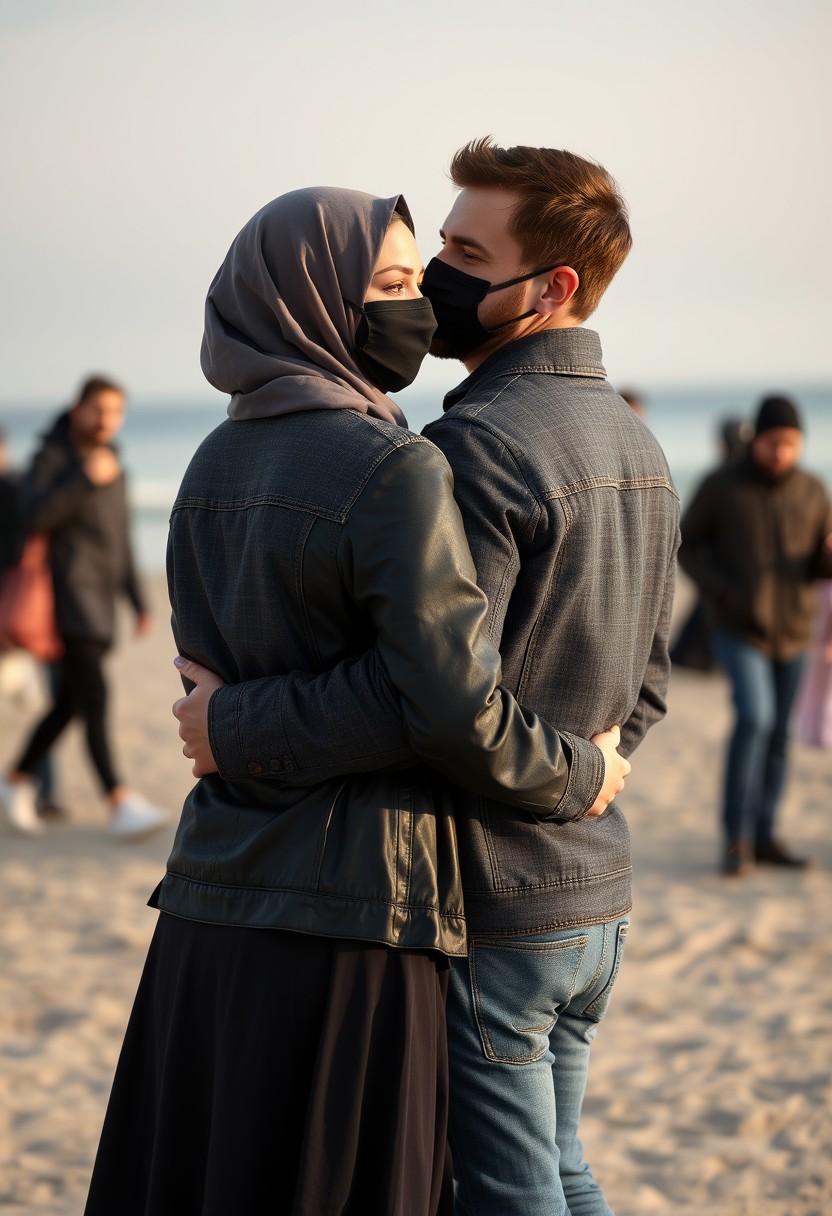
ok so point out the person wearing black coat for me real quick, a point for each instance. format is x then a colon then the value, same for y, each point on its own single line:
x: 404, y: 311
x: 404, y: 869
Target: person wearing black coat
x: 75, y: 493
x: 755, y: 538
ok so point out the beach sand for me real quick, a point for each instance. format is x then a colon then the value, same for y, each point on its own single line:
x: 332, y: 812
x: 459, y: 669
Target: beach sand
x: 710, y: 1088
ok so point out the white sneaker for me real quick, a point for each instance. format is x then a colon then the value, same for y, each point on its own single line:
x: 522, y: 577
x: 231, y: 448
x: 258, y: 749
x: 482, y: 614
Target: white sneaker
x: 19, y: 802
x: 135, y: 817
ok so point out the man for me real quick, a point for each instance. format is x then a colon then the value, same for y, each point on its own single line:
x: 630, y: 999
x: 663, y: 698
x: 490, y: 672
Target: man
x: 75, y: 493
x: 572, y: 520
x: 756, y: 534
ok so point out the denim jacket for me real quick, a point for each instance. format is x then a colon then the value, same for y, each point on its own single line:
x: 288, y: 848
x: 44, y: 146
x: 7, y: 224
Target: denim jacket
x: 295, y: 544
x: 572, y: 520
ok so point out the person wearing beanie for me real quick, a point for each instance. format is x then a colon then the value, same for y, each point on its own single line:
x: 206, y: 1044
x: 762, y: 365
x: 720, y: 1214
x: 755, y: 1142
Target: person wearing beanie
x: 756, y: 536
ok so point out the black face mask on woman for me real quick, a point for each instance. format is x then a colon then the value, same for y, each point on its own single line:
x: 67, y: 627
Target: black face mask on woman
x: 392, y: 339
x: 456, y: 296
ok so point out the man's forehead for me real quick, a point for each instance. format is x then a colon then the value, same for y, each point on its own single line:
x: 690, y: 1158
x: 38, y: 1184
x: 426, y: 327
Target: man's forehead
x: 782, y: 434
x: 481, y: 216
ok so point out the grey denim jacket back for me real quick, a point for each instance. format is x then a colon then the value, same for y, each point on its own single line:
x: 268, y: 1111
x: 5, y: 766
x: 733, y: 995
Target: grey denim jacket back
x: 573, y: 524
x: 295, y: 544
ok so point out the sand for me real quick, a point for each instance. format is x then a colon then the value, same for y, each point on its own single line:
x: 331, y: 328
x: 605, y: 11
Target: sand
x: 710, y: 1088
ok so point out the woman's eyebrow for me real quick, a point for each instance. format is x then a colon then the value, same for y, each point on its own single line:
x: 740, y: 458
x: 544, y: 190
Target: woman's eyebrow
x: 395, y: 266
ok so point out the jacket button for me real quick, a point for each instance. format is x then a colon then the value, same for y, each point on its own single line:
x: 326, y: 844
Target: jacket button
x: 282, y: 766
x: 254, y: 768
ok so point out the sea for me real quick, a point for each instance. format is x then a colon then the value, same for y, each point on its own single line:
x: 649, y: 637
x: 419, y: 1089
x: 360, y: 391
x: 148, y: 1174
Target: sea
x: 160, y: 436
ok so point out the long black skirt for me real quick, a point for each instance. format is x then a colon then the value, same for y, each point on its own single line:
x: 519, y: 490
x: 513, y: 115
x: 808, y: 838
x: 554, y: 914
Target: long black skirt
x: 266, y: 1073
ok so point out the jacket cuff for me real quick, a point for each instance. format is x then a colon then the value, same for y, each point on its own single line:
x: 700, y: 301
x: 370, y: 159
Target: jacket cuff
x: 586, y: 777
x: 263, y: 753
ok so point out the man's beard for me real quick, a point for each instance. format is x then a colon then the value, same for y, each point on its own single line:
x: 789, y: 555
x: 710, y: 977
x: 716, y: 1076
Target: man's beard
x: 497, y: 312
x: 443, y: 348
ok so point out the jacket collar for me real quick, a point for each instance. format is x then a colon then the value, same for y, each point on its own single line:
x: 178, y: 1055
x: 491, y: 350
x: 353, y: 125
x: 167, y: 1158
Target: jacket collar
x: 554, y: 352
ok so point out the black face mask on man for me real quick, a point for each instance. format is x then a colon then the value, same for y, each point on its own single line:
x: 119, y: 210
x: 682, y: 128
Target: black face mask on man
x: 392, y: 339
x: 456, y: 297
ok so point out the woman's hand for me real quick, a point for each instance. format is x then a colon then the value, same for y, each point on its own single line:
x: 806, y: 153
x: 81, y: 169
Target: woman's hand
x: 616, y: 769
x: 192, y: 715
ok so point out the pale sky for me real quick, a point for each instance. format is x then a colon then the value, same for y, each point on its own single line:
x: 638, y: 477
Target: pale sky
x: 138, y: 137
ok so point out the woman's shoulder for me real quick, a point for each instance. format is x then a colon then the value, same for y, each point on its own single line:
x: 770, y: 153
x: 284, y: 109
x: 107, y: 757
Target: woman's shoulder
x: 377, y: 440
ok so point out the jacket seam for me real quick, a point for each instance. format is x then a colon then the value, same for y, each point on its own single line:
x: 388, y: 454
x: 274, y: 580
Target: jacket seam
x: 547, y: 926
x: 326, y: 769
x: 472, y: 419
x: 531, y: 646
x: 307, y: 891
x: 555, y: 369
x: 300, y: 549
x: 200, y: 502
x: 615, y: 483
x: 551, y: 886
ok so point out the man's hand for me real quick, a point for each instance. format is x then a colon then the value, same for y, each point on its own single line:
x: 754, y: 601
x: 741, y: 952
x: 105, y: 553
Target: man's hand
x: 616, y: 769
x: 192, y: 714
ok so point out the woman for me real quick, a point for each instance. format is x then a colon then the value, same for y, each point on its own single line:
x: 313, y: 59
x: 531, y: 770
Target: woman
x: 301, y: 1068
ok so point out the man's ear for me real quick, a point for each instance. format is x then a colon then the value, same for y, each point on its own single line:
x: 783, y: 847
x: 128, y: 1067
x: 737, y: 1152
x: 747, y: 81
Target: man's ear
x: 561, y: 286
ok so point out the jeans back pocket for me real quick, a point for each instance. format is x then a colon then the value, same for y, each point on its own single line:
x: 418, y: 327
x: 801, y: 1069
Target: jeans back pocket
x: 518, y: 987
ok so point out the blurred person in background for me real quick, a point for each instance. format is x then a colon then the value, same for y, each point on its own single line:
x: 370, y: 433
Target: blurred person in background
x: 692, y: 647
x: 9, y: 529
x: 11, y: 544
x: 813, y: 710
x: 75, y: 493
x: 756, y: 535
x: 735, y: 434
x: 636, y: 401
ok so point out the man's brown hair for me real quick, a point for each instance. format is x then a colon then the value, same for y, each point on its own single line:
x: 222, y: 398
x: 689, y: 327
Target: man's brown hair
x: 571, y: 212
x: 97, y: 384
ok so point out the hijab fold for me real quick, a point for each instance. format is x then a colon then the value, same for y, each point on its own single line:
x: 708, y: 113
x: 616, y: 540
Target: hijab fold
x: 282, y: 311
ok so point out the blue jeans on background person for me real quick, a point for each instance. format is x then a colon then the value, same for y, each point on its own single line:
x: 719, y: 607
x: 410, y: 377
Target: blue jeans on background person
x: 44, y: 774
x: 763, y: 690
x: 522, y: 1014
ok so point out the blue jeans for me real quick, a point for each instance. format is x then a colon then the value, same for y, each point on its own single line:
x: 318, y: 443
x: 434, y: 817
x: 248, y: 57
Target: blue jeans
x: 763, y: 692
x: 522, y: 1014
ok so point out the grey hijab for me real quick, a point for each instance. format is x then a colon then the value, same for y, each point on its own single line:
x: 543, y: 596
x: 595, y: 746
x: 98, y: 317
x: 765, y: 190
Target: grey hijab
x: 282, y: 311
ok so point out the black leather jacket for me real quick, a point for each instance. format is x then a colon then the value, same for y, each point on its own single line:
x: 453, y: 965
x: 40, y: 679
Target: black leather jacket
x: 295, y: 543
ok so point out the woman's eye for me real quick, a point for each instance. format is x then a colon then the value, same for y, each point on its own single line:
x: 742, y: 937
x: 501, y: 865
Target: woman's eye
x: 394, y: 289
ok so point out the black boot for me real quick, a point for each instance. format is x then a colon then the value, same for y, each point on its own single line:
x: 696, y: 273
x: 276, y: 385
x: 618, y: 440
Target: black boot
x: 772, y: 853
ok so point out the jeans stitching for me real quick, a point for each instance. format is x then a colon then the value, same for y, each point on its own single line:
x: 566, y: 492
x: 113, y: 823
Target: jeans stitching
x: 620, y: 938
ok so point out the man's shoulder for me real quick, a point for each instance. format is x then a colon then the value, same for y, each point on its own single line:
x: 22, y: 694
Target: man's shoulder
x: 812, y: 483
x: 557, y: 423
